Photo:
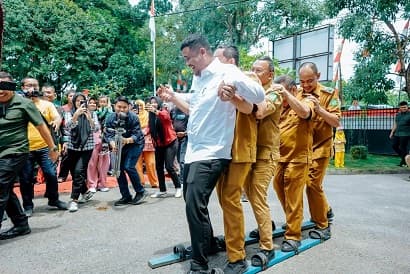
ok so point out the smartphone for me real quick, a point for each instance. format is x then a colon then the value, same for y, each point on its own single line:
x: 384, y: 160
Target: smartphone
x: 136, y: 109
x: 83, y: 103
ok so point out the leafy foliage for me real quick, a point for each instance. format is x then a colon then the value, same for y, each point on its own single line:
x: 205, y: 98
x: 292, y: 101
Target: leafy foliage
x: 240, y: 23
x: 371, y: 25
x: 82, y: 44
x: 103, y: 45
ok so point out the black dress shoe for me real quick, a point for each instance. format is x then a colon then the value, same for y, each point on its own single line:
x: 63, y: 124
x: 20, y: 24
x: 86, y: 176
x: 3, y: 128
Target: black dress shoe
x: 255, y: 233
x: 59, y: 204
x: 139, y: 198
x: 15, y: 231
x: 123, y: 201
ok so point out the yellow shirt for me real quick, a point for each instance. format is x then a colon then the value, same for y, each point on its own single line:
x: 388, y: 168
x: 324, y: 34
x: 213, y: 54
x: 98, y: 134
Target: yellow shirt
x: 322, y: 131
x: 49, y: 111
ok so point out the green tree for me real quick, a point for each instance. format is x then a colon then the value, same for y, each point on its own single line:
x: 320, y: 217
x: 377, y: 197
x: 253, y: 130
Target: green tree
x: 244, y: 23
x: 371, y: 25
x: 1, y: 30
x: 241, y: 23
x: 82, y: 44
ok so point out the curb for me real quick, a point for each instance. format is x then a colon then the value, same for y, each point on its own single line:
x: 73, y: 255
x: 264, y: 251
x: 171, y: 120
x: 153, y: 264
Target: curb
x: 349, y: 171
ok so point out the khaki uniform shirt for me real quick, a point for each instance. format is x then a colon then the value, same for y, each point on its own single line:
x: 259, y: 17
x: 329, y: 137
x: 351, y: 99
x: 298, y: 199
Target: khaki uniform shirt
x: 322, y: 131
x: 296, y: 134
x: 268, y: 127
x: 13, y: 126
x: 245, y: 134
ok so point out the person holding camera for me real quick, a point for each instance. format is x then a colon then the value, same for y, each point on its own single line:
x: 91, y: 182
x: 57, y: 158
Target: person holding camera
x: 132, y: 145
x: 39, y: 151
x: 166, y: 146
x: 64, y: 168
x: 80, y: 125
x: 100, y: 159
x: 15, y: 114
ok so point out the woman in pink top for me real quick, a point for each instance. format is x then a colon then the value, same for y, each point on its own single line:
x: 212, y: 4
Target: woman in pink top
x: 100, y: 159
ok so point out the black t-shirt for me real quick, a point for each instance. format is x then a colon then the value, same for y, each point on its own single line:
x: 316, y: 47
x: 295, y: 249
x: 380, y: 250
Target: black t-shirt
x: 179, y: 120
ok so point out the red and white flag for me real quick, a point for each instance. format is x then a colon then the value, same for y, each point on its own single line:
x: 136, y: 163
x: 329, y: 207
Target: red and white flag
x: 404, y: 33
x: 152, y: 21
x: 336, y: 64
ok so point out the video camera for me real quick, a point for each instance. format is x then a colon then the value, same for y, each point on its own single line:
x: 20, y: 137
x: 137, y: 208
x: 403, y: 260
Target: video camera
x: 34, y: 93
x: 121, y: 118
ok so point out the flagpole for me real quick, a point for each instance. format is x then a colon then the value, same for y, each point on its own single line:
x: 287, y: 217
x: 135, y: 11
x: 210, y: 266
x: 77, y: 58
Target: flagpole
x: 153, y: 37
x: 154, y: 65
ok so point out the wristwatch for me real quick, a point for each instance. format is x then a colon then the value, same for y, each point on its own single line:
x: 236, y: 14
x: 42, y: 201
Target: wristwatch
x: 54, y: 149
x: 255, y: 108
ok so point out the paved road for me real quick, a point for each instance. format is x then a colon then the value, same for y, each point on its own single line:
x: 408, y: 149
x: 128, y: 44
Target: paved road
x: 370, y: 234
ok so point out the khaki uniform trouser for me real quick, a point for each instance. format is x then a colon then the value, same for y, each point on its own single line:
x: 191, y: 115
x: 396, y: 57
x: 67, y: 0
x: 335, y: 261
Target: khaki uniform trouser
x: 229, y: 191
x: 318, y: 205
x: 289, y: 183
x: 256, y: 189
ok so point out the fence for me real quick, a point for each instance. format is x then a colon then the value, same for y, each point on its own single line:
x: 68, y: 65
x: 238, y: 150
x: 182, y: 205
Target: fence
x: 369, y: 127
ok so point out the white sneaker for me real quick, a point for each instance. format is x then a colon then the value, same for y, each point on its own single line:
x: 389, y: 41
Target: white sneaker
x: 73, y: 206
x: 159, y: 194
x: 178, y: 193
x: 104, y: 189
x: 92, y: 189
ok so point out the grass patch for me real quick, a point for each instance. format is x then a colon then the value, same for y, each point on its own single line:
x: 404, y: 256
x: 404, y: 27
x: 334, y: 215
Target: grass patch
x: 373, y: 162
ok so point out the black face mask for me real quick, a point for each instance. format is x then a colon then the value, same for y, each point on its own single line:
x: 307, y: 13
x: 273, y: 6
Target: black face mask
x: 4, y: 85
x: 7, y: 86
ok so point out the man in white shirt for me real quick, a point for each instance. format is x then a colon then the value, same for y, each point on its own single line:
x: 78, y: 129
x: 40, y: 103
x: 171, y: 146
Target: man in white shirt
x: 210, y: 135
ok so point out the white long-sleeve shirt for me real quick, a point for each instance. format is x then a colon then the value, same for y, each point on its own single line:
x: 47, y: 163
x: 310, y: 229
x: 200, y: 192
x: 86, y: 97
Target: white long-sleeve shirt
x: 211, y: 121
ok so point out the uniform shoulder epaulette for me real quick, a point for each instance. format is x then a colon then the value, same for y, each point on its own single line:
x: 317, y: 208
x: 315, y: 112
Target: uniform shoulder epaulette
x: 328, y: 90
x: 253, y: 76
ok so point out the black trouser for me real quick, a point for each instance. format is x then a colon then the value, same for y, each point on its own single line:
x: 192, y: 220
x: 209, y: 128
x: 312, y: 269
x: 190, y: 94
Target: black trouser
x: 78, y: 167
x: 399, y: 145
x: 64, y: 166
x: 182, y: 144
x: 404, y: 140
x: 166, y: 156
x: 200, y: 179
x: 10, y: 167
x: 395, y: 144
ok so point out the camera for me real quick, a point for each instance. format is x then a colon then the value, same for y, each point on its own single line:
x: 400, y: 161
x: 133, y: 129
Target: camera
x: 34, y: 93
